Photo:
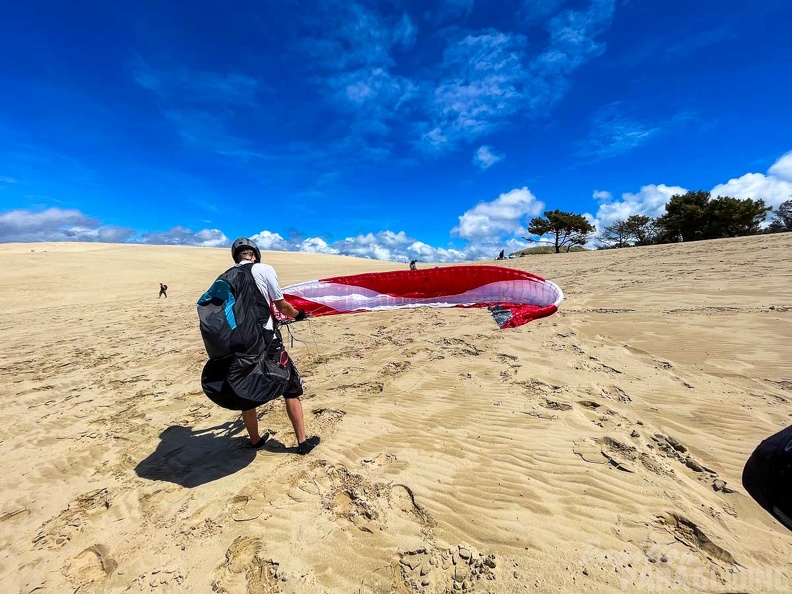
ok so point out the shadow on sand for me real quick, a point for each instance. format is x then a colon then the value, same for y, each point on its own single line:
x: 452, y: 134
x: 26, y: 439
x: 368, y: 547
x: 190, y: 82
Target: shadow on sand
x: 191, y: 458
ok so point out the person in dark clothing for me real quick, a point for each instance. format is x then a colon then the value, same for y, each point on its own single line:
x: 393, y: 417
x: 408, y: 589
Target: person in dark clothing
x: 163, y: 291
x: 412, y: 264
x: 246, y: 253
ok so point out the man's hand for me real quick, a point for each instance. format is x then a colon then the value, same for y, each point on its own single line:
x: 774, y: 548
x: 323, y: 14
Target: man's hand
x: 301, y: 315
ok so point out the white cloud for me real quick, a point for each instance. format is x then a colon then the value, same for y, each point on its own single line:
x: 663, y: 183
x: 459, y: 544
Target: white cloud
x: 183, y: 236
x: 572, y: 37
x: 490, y: 221
x: 7, y: 180
x: 484, y: 79
x: 774, y: 188
x: 489, y: 77
x: 481, y: 86
x: 57, y: 224
x: 782, y: 169
x: 267, y: 240
x: 316, y: 245
x: 384, y: 245
x: 211, y: 238
x: 485, y: 158
x: 649, y: 201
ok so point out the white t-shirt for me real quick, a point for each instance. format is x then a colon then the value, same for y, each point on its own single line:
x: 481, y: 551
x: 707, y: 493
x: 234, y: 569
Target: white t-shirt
x: 267, y: 282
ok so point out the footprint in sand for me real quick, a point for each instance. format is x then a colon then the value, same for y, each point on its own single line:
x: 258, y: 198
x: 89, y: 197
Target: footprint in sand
x: 611, y: 451
x: 538, y: 388
x: 55, y: 533
x: 91, y: 565
x: 620, y: 394
x: 672, y: 448
x: 395, y: 368
x: 434, y: 570
x: 246, y: 508
x: 555, y: 405
x: 689, y: 533
x: 244, y: 569
x: 325, y: 419
x: 367, y: 505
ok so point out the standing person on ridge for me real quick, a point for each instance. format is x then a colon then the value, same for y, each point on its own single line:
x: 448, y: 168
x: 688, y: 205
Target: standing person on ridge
x: 163, y: 291
x: 246, y: 253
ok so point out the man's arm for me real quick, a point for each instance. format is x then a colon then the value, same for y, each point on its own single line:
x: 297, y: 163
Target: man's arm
x: 286, y: 308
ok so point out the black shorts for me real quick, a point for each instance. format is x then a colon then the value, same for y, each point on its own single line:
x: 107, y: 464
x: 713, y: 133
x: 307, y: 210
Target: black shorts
x: 294, y: 389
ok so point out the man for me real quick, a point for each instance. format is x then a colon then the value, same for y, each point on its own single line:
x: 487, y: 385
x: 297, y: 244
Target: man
x: 246, y: 253
x: 412, y: 264
x: 163, y: 291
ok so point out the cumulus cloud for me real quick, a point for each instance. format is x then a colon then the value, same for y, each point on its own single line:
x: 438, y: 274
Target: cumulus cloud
x: 774, y: 188
x: 57, y: 224
x: 316, y: 245
x: 485, y: 158
x: 183, y: 236
x: 383, y: 245
x: 267, y: 240
x: 649, y: 201
x: 782, y: 169
x: 506, y: 215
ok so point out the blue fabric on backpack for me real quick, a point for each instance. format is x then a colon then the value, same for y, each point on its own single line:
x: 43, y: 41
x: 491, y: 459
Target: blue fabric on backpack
x: 221, y: 290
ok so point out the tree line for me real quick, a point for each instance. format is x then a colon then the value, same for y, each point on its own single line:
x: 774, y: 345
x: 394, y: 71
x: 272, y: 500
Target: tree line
x: 688, y: 217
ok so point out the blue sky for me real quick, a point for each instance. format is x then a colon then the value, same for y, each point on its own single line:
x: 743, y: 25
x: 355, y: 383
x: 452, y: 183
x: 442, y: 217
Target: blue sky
x: 394, y: 129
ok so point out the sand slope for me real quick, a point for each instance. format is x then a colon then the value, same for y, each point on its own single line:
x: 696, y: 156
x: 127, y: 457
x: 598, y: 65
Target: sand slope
x: 593, y: 451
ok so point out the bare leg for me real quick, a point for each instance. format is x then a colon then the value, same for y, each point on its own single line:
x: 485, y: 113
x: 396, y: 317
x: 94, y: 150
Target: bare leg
x: 250, y: 420
x: 295, y: 411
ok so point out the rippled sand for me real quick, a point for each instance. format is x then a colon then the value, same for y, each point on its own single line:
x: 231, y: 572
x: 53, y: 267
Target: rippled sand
x: 596, y: 450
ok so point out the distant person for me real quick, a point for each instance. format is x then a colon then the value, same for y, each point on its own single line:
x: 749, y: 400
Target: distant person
x: 502, y: 255
x: 260, y: 281
x: 163, y: 291
x: 412, y: 264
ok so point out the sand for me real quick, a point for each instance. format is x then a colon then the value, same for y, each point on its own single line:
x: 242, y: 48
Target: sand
x: 597, y: 450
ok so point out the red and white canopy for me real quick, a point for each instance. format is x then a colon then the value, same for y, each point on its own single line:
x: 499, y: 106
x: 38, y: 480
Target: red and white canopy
x: 513, y: 296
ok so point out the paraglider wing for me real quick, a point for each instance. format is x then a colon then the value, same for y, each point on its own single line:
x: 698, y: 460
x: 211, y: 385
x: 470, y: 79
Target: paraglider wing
x: 513, y: 296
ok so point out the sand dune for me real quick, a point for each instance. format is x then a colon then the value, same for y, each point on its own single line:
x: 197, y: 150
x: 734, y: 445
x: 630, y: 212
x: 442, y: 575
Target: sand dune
x: 596, y: 450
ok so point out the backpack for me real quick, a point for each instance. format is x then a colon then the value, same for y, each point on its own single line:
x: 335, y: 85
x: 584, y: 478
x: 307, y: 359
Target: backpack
x: 164, y: 287
x: 231, y: 317
x: 247, y: 362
